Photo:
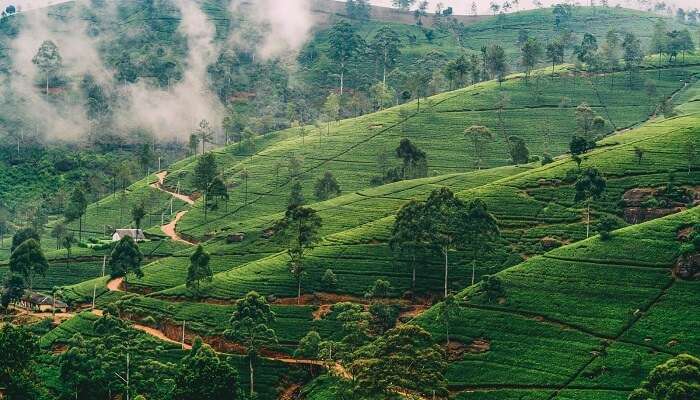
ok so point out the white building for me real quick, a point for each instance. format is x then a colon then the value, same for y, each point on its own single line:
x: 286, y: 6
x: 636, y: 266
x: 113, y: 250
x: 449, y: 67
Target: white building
x: 136, y: 234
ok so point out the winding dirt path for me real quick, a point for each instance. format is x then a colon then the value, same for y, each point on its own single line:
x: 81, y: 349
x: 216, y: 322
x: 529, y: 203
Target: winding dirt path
x: 160, y: 186
x: 115, y: 285
x: 170, y: 228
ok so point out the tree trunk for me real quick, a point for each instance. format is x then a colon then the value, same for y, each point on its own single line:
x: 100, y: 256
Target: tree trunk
x: 47, y: 83
x: 588, y: 219
x: 447, y: 328
x: 252, y: 377
x: 444, y: 251
x: 413, y: 279
x: 80, y: 228
x: 342, y: 79
x: 299, y: 290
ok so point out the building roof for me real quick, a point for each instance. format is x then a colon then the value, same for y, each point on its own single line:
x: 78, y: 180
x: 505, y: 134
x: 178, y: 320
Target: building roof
x: 136, y: 234
x: 40, y: 299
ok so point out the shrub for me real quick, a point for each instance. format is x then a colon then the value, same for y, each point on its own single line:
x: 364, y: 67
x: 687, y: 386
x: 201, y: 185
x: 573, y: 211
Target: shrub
x: 606, y: 225
x: 547, y: 159
x: 329, y: 280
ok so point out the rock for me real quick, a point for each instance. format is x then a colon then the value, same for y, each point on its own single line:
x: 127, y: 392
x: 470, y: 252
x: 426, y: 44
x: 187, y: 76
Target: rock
x: 549, y: 243
x: 235, y: 238
x: 687, y: 266
x: 636, y: 215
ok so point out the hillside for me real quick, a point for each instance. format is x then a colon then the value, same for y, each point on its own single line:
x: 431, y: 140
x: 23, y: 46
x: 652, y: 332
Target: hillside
x: 568, y: 297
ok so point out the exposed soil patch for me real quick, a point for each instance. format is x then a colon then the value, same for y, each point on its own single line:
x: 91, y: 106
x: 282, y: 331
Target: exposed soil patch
x: 687, y: 267
x: 646, y: 204
x: 321, y: 312
x: 457, y: 350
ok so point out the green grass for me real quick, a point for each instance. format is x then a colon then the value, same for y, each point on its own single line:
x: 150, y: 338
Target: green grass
x: 589, y: 316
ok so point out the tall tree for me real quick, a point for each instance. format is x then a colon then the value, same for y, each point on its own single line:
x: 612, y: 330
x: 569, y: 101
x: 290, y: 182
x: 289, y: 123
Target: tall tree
x: 250, y: 325
x: 13, y: 288
x: 478, y: 135
x: 404, y: 359
x: 385, y: 48
x: 632, y: 54
x: 496, y: 62
x: 447, y: 310
x: 327, y: 187
x: 203, y: 375
x: 480, y: 229
x: 409, y: 233
x: 28, y: 260
x: 126, y: 258
x: 205, y: 133
x: 199, y: 270
x: 205, y: 171
x: 138, y: 212
x: 77, y: 206
x: 22, y: 236
x: 531, y: 55
x: 443, y: 227
x: 676, y: 379
x: 358, y: 9
x: 20, y: 364
x: 300, y: 228
x: 48, y: 59
x: 403, y: 4
x: 555, y: 54
x: 584, y: 119
x: 519, y: 152
x: 344, y: 45
x: 414, y: 160
x: 590, y: 185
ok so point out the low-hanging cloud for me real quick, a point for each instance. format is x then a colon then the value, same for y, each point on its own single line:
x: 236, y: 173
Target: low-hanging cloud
x: 174, y: 112
x: 286, y: 25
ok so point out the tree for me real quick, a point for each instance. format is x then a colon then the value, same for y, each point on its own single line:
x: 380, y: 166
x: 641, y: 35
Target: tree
x: 199, y: 269
x: 308, y: 346
x: 381, y: 96
x: 344, y: 44
x: 675, y: 379
x: 13, y: 289
x: 137, y: 213
x: 28, y: 260
x: 632, y: 54
x: 496, y: 62
x: 414, y: 160
x: 205, y: 133
x: 18, y: 371
x: 405, y: 358
x: 358, y: 9
x: 331, y: 109
x: 250, y: 326
x: 578, y: 145
x: 300, y: 228
x: 531, y: 54
x: 590, y: 185
x: 67, y: 241
x: 327, y: 187
x: 443, y: 227
x: 22, y: 236
x: 77, y: 205
x: 296, y: 196
x: 245, y: 174
x: 638, y: 154
x: 329, y: 280
x: 202, y: 375
x: 403, y: 5
x: 690, y: 151
x: 126, y: 258
x: 420, y: 12
x: 478, y: 134
x: 48, y: 60
x: 193, y: 144
x: 606, y: 226
x: 479, y: 229
x: 204, y: 173
x: 446, y: 311
x: 385, y: 48
x: 518, y: 150
x: 584, y: 119
x: 218, y: 190
x: 408, y: 233
x: 59, y: 231
x: 555, y: 54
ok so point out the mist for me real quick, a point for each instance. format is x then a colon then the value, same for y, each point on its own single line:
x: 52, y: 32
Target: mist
x: 286, y: 25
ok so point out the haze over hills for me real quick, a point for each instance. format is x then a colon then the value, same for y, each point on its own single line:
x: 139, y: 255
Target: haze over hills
x: 237, y: 200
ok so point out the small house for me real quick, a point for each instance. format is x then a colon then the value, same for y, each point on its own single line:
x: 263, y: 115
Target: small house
x: 136, y: 234
x: 236, y: 238
x: 37, y: 302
